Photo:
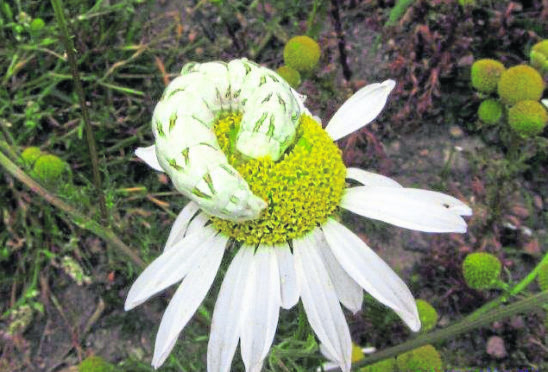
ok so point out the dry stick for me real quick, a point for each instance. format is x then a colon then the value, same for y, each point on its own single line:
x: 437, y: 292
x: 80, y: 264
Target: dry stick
x: 78, y: 218
x: 69, y: 46
x: 465, y: 325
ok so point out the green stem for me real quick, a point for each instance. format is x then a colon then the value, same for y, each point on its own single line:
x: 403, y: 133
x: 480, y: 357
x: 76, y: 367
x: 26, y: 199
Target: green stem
x: 78, y: 218
x: 462, y: 326
x: 69, y: 47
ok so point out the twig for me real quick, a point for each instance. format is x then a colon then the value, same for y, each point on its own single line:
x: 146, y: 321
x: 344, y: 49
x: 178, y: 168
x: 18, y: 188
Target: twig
x: 77, y: 218
x: 462, y: 326
x: 69, y: 47
x: 347, y: 73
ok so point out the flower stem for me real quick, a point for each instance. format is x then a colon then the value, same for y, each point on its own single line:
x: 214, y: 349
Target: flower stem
x: 465, y: 325
x: 69, y: 47
x: 78, y: 218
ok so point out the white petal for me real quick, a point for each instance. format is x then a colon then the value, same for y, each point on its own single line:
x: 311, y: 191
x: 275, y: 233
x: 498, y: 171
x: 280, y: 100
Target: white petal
x: 414, y: 209
x: 262, y: 310
x: 148, y: 155
x: 360, y: 109
x: 188, y: 297
x: 350, y: 294
x: 179, y: 227
x: 370, y: 179
x: 320, y: 302
x: 197, y: 223
x: 371, y: 272
x: 225, y: 324
x: 288, y: 278
x: 544, y: 102
x: 168, y: 268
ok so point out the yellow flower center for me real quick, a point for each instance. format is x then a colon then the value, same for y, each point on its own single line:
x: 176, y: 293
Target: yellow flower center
x: 302, y: 188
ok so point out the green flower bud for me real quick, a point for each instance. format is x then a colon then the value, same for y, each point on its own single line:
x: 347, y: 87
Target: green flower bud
x: 49, y: 168
x: 387, y: 365
x: 423, y: 359
x: 95, y: 364
x: 490, y: 111
x: 520, y: 83
x: 30, y: 155
x: 292, y: 76
x: 302, y: 54
x: 527, y: 118
x: 481, y: 270
x: 485, y: 75
x: 37, y: 24
x: 427, y: 315
x: 539, y: 56
x: 542, y: 277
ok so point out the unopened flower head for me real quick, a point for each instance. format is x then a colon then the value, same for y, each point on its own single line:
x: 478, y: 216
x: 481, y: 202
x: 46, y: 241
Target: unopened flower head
x: 265, y: 178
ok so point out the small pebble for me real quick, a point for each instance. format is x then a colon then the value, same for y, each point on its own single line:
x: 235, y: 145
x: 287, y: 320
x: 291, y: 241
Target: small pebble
x: 456, y: 132
x: 495, y: 347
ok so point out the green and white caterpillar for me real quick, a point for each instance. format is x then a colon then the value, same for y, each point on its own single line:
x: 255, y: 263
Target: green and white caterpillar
x: 186, y: 144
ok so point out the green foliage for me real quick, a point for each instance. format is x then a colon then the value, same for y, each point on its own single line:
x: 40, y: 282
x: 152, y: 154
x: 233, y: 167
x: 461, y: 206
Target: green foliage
x: 292, y: 76
x: 398, y: 11
x: 422, y: 359
x: 485, y: 75
x: 527, y: 118
x: 302, y: 54
x: 542, y: 277
x: 539, y: 56
x: 490, y: 111
x: 95, y: 364
x: 481, y: 270
x: 30, y: 155
x: 49, y: 168
x: 427, y: 315
x: 465, y: 3
x: 520, y: 83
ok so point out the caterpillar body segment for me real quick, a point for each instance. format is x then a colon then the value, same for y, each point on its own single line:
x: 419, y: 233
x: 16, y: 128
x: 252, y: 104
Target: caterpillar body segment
x: 186, y: 144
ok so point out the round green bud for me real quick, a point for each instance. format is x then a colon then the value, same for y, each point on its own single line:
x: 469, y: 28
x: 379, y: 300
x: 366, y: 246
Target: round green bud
x: 481, y: 270
x: 387, y: 365
x: 490, y: 111
x: 95, y: 364
x: 527, y: 118
x: 485, y: 75
x: 427, y: 315
x: 302, y: 54
x: 49, y: 168
x: 30, y: 155
x: 542, y: 277
x: 520, y: 83
x: 37, y: 24
x: 292, y: 76
x: 425, y: 358
x: 539, y: 56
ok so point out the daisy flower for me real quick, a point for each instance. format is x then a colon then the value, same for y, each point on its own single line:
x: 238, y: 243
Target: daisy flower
x: 272, y: 200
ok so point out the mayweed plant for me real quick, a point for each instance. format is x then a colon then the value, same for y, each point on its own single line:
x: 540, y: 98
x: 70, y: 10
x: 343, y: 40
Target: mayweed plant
x: 267, y: 184
x: 481, y: 270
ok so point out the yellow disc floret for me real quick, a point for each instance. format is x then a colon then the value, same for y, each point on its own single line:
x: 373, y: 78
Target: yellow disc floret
x: 486, y: 74
x: 48, y: 168
x: 302, y: 53
x: 520, y: 83
x: 30, y: 155
x: 490, y: 111
x: 527, y: 118
x: 302, y: 189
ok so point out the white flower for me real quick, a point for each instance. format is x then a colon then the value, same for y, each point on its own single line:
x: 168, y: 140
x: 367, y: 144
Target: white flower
x: 324, y: 268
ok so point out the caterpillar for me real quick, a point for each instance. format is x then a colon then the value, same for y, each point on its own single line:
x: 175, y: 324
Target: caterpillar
x: 186, y: 144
